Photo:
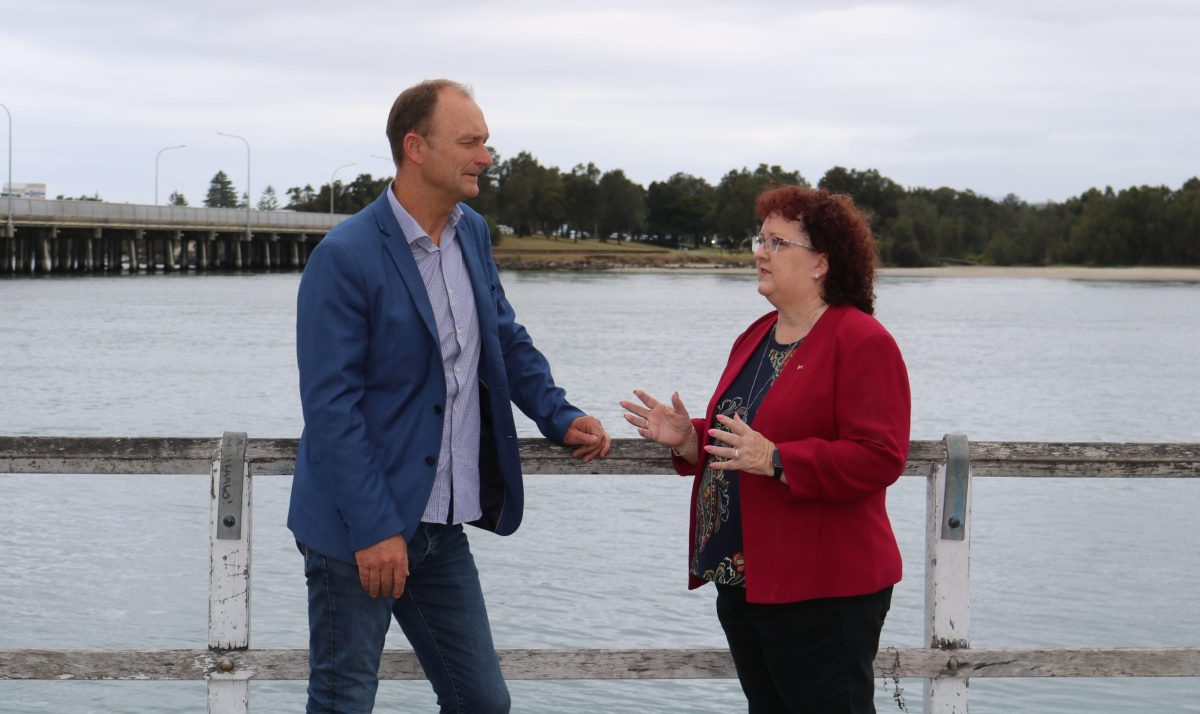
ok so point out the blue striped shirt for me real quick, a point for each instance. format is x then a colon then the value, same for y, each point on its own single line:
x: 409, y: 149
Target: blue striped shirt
x: 449, y: 287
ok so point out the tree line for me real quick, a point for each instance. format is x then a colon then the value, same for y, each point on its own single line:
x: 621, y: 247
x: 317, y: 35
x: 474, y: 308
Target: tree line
x: 1144, y: 225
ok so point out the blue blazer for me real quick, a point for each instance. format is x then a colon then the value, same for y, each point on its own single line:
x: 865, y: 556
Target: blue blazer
x: 373, y: 390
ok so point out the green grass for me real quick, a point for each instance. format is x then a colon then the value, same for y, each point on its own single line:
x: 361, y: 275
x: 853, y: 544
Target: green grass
x: 540, y: 244
x: 540, y: 253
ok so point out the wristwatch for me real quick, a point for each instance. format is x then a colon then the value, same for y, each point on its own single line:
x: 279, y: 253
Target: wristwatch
x: 777, y: 462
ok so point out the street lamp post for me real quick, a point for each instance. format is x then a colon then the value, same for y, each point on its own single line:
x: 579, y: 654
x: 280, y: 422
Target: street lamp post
x: 343, y: 166
x: 156, y: 156
x: 248, y: 194
x: 10, y: 187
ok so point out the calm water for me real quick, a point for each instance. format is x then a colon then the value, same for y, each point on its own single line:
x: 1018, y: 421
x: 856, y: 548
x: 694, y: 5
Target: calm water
x: 121, y: 562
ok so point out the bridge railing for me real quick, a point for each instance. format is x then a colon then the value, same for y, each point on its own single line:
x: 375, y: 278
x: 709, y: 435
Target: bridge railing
x: 947, y: 662
x: 96, y: 213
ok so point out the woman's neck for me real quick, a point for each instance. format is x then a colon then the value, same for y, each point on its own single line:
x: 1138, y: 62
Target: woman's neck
x: 796, y: 322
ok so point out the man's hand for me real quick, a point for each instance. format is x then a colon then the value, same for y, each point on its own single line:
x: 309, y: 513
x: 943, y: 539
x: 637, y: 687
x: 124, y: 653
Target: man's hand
x: 383, y: 567
x: 589, y: 435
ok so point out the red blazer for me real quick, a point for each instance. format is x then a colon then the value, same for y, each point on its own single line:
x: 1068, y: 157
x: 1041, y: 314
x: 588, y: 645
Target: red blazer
x: 839, y: 413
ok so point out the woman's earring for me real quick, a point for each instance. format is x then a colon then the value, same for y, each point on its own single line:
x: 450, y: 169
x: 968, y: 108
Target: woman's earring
x: 816, y: 276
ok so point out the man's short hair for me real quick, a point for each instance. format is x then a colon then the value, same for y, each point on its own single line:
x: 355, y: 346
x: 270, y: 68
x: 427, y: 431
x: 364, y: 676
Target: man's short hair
x: 412, y: 111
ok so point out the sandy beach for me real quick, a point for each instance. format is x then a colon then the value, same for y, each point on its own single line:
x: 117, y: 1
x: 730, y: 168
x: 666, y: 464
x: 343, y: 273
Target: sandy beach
x: 537, y: 253
x: 1137, y: 274
x: 1141, y: 274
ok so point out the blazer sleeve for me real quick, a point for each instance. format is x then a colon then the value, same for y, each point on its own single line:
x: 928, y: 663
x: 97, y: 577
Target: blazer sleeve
x: 332, y: 339
x: 871, y: 415
x: 531, y: 386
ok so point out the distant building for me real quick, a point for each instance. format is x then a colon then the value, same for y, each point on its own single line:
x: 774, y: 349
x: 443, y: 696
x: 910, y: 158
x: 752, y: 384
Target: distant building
x: 25, y: 190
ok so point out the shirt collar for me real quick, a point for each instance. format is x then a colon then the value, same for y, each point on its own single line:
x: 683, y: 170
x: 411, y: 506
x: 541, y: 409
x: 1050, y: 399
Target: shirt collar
x: 409, y: 226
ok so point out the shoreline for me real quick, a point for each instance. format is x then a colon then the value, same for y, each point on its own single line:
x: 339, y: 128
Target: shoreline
x: 1140, y: 274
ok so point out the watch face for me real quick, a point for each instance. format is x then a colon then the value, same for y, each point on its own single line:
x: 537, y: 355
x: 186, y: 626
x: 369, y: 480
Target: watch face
x: 776, y: 459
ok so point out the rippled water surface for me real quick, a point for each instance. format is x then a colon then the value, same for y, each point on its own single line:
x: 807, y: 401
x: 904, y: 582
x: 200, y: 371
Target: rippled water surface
x: 121, y: 561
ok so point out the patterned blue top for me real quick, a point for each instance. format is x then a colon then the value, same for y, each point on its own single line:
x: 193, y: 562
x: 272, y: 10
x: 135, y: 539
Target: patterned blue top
x: 717, y: 541
x: 456, y: 486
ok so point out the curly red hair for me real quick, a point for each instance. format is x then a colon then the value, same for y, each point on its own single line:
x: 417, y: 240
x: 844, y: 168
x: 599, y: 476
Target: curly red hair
x: 839, y: 230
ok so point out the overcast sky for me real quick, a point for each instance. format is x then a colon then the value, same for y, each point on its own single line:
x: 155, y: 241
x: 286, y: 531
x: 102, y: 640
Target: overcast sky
x: 1041, y: 98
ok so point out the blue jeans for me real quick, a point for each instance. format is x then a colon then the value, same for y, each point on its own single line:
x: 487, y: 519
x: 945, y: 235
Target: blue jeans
x: 441, y: 612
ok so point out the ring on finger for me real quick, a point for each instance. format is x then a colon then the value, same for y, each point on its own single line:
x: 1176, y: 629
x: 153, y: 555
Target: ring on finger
x: 737, y: 453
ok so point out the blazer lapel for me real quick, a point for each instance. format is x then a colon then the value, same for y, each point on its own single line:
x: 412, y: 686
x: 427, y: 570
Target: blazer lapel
x: 469, y: 243
x: 826, y: 323
x: 397, y: 247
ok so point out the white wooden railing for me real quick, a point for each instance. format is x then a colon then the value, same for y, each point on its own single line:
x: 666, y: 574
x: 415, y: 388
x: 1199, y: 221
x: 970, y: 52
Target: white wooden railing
x: 947, y: 661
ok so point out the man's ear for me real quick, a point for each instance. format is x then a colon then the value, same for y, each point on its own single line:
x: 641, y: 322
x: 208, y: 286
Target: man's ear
x: 414, y: 148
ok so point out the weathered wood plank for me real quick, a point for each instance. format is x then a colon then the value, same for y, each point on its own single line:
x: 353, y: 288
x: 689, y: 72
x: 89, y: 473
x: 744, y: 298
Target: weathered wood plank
x: 229, y: 551
x: 546, y: 664
x: 947, y: 571
x: 1043, y: 662
x: 1083, y: 459
x: 229, y: 555
x: 616, y: 664
x: 118, y: 448
x: 106, y: 455
x: 228, y: 695
x: 145, y: 455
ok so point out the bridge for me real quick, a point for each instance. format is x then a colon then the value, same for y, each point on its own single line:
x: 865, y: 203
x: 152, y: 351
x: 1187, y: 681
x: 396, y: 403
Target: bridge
x: 95, y: 237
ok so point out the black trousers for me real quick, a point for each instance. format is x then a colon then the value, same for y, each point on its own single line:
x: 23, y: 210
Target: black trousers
x: 812, y: 656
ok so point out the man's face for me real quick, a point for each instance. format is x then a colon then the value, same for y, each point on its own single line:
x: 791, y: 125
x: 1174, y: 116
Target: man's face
x: 455, y: 149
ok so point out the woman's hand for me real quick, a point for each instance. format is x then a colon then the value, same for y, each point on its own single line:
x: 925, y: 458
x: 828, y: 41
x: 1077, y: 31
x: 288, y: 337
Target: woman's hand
x: 669, y: 426
x: 744, y: 449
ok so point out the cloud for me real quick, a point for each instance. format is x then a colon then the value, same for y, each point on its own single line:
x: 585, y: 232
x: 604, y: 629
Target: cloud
x: 1044, y: 99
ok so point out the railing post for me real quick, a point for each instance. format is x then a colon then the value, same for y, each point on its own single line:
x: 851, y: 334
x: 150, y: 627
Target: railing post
x: 229, y: 576
x: 947, y: 573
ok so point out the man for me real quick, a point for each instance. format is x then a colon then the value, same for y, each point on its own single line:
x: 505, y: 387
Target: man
x: 409, y: 357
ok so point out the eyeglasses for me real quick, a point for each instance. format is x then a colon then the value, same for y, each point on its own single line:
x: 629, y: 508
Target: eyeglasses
x: 772, y: 243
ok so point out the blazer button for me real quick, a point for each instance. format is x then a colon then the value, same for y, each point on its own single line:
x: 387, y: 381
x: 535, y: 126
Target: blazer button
x: 430, y: 461
x: 437, y: 408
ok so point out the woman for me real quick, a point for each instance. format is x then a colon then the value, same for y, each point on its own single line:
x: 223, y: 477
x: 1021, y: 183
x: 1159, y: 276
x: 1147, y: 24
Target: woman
x: 808, y: 427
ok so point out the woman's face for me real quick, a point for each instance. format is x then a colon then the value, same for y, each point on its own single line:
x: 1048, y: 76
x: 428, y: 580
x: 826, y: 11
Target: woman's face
x: 785, y: 277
